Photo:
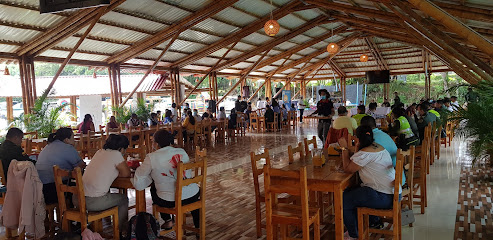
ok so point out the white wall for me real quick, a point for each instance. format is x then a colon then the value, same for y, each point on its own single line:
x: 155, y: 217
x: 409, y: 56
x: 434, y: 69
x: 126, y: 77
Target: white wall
x: 93, y: 105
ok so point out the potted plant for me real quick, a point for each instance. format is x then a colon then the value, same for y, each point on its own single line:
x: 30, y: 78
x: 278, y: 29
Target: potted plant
x: 474, y: 123
x: 143, y: 111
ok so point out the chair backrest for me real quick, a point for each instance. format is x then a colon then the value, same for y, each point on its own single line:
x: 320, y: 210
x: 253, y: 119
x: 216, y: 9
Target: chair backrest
x: 399, y: 167
x: 199, y: 169
x: 278, y: 181
x: 293, y: 150
x: 308, y: 142
x: 409, y: 157
x: 31, y: 135
x: 27, y: 145
x: 335, y: 134
x: 256, y: 171
x: 77, y: 190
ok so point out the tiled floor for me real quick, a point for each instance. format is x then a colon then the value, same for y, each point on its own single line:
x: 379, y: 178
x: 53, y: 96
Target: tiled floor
x: 230, y: 197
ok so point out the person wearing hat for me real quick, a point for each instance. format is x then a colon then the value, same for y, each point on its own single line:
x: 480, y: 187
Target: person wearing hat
x: 325, y: 108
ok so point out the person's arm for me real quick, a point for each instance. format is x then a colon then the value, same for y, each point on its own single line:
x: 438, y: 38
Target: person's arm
x: 75, y: 159
x: 348, y: 165
x: 92, y: 127
x: 142, y: 177
x: 354, y: 124
x: 123, y: 169
x: 186, y: 122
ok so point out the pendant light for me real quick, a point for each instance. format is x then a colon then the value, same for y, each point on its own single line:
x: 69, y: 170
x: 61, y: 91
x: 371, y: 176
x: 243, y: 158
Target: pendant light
x: 271, y: 27
x: 363, y: 58
x: 332, y: 48
x: 6, y: 71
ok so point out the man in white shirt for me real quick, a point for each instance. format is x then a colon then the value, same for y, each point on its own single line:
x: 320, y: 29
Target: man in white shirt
x: 301, y: 108
x: 260, y: 103
x: 454, y: 103
x: 174, y: 112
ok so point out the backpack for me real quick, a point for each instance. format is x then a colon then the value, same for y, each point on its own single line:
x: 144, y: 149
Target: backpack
x: 143, y: 226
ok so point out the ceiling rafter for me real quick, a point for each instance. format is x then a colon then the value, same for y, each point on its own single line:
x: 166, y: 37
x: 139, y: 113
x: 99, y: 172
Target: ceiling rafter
x: 377, y: 55
x: 168, y: 32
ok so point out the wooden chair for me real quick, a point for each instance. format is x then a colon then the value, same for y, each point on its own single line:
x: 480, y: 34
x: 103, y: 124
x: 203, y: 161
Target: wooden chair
x: 259, y: 197
x: 199, y: 138
x: 253, y: 121
x: 27, y: 145
x: 432, y: 145
x: 308, y: 142
x: 240, y: 124
x: 294, y: 183
x: 273, y: 125
x: 80, y: 214
x: 393, y: 215
x: 437, y: 141
x: 93, y: 143
x: 200, y: 172
x: 31, y: 135
x: 407, y: 193
x: 207, y: 130
x: 419, y: 173
x: 293, y: 150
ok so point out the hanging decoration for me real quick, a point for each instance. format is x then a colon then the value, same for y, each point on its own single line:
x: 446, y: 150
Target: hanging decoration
x: 271, y: 27
x: 363, y: 58
x: 6, y: 71
x: 332, y: 47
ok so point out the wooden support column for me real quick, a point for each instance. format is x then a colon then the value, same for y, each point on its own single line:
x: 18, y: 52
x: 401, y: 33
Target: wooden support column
x: 140, y: 95
x: 73, y: 107
x: 343, y: 90
x: 268, y: 88
x: 10, y: 109
x: 386, y: 90
x: 175, y: 73
x: 28, y: 82
x: 303, y: 88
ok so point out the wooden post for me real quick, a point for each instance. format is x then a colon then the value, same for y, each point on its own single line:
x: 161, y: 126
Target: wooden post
x: 140, y: 95
x: 25, y: 103
x: 268, y: 88
x: 343, y: 90
x: 112, y: 90
x: 73, y: 107
x: 10, y: 109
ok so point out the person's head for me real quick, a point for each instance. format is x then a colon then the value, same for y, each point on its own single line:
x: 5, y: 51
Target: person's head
x: 439, y: 104
x: 153, y: 115
x: 63, y: 134
x: 385, y: 100
x: 267, y: 99
x: 245, y: 98
x: 396, y: 94
x: 453, y: 98
x: 117, y: 142
x: 112, y: 119
x: 446, y: 102
x: 158, y: 112
x: 249, y: 104
x: 195, y: 112
x: 167, y: 114
x: 423, y: 108
x: 187, y: 105
x: 365, y: 136
x: 301, y: 98
x: 342, y: 111
x: 410, y: 111
x: 221, y: 109
x: 163, y: 138
x: 134, y: 116
x: 372, y: 106
x: 368, y: 121
x: 239, y: 98
x: 398, y: 112
x: 209, y: 110
x: 249, y: 107
x: 268, y: 106
x: 469, y: 89
x: 191, y: 118
x: 173, y: 105
x: 324, y: 94
x: 361, y: 109
x: 87, y: 118
x: 233, y: 111
x: 15, y: 135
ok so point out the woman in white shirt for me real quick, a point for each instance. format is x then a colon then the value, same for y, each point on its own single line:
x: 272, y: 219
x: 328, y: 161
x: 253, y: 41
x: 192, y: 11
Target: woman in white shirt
x: 374, y: 165
x: 160, y: 167
x: 106, y: 165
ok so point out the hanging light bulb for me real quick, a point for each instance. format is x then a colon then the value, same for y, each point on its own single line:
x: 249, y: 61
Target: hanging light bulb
x: 332, y: 47
x: 6, y: 71
x: 271, y: 27
x: 363, y: 58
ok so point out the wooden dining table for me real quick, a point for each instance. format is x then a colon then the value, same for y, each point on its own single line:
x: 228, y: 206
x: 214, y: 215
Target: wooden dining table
x: 327, y: 179
x: 140, y: 198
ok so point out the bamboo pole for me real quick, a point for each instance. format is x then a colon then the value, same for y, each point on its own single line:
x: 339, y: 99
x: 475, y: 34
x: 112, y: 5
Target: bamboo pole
x: 112, y: 89
x: 151, y: 68
x: 73, y: 107
x: 25, y: 103
x: 10, y: 109
x: 65, y: 62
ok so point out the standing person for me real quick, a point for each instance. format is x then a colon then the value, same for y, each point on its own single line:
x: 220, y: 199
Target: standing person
x: 244, y: 104
x: 397, y: 99
x: 160, y: 167
x: 325, y: 108
x: 106, y: 165
x: 112, y: 125
x: 260, y: 103
x: 60, y: 151
x: 174, y: 112
x: 86, y: 125
x: 471, y: 96
x: 133, y: 121
x: 11, y: 149
x: 301, y: 108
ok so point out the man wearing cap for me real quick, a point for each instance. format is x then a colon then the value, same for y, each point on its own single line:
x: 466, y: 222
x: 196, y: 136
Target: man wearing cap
x: 325, y: 108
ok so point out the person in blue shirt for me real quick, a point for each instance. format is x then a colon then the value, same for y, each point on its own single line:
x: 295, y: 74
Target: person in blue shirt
x: 60, y: 151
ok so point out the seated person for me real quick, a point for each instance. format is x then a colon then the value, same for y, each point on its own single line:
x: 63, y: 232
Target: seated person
x: 233, y: 117
x: 153, y: 121
x: 112, y: 125
x: 106, y: 165
x: 248, y: 111
x: 189, y: 125
x: 168, y: 117
x: 60, y: 151
x: 402, y: 129
x: 11, y: 149
x: 343, y: 121
x: 372, y: 108
x: 160, y: 167
x: 361, y: 113
x: 374, y: 165
x: 222, y: 114
x: 284, y: 112
x: 424, y: 117
x: 133, y: 121
x: 87, y: 125
x: 269, y: 114
x: 410, y: 116
x: 195, y: 114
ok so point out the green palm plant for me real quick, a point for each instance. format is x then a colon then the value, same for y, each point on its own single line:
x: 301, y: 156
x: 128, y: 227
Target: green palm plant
x: 143, y: 111
x: 475, y: 122
x: 43, y: 118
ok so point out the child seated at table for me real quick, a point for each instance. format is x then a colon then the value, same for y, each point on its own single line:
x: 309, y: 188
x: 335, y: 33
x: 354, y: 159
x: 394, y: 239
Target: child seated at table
x: 160, y: 167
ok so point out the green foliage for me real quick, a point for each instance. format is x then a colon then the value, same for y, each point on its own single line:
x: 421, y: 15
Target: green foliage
x: 475, y: 122
x: 43, y: 119
x: 122, y: 114
x: 143, y: 111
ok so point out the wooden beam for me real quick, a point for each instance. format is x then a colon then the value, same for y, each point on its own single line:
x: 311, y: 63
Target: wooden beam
x: 471, y: 13
x: 336, y: 67
x: 162, y: 36
x: 150, y: 69
x: 354, y: 10
x: 269, y: 45
x: 454, y: 25
x: 382, y: 64
x: 236, y: 36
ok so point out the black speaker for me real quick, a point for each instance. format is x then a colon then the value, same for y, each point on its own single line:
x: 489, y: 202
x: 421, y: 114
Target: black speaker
x: 277, y: 89
x: 246, y: 91
x: 212, y: 105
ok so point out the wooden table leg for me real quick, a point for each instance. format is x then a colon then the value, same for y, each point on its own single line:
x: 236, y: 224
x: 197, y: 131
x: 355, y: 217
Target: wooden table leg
x: 339, y: 231
x: 140, y: 201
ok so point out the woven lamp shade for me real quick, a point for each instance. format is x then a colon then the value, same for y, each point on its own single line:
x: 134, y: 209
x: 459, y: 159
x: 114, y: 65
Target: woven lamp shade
x: 363, y: 58
x: 271, y: 27
x: 332, y: 48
